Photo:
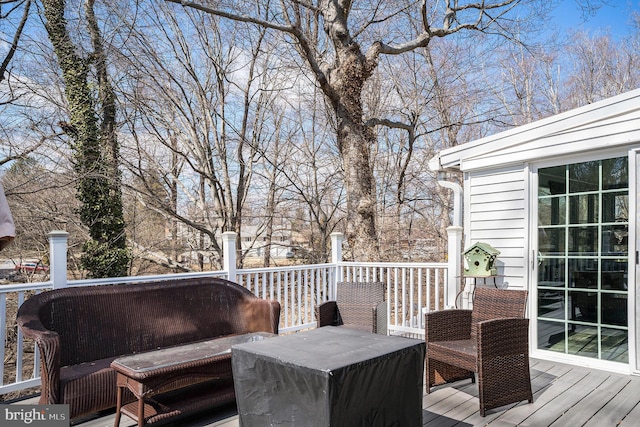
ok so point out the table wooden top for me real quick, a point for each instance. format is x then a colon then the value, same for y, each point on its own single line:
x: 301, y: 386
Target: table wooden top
x: 164, y: 358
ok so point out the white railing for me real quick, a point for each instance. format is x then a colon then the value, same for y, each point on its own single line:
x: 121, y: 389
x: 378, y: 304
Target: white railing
x: 412, y: 290
x: 299, y: 289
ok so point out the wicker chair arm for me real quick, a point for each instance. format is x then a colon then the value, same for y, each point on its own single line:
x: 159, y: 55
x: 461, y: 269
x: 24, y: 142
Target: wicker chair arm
x: 49, y: 347
x: 447, y: 325
x: 327, y: 314
x: 275, y: 309
x: 380, y: 316
x: 503, y: 337
x: 48, y: 343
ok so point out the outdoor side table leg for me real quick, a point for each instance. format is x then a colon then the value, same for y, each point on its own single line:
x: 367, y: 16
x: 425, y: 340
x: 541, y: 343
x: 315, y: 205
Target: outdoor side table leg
x: 141, y: 411
x: 116, y: 423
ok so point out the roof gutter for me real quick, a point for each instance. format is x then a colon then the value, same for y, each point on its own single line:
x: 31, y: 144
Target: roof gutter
x: 457, y: 197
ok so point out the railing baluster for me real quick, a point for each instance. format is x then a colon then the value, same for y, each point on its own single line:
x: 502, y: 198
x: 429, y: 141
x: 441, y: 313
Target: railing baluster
x: 434, y: 284
x: 286, y: 299
x: 299, y: 293
x: 412, y: 315
x: 19, y: 344
x: 279, y: 289
x: 420, y: 304
x: 306, y: 297
x: 3, y: 328
x: 271, y: 285
x: 403, y: 274
x: 395, y: 295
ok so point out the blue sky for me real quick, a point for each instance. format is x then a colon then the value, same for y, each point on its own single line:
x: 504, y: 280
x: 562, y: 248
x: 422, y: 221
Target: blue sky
x: 614, y: 16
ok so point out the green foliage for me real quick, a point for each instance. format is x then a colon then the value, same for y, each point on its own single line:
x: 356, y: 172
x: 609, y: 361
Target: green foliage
x: 103, y: 260
x: 98, y: 190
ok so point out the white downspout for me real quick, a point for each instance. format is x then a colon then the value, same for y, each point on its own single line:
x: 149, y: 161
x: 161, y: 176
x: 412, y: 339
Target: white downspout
x: 454, y: 249
x: 457, y: 198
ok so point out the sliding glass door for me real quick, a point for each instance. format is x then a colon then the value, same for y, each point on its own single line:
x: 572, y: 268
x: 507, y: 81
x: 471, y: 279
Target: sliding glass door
x: 583, y: 258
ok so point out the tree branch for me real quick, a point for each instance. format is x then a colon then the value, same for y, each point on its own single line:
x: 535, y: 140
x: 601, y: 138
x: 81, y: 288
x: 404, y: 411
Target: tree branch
x: 16, y: 39
x: 293, y: 30
x: 389, y: 123
x: 448, y: 27
x: 236, y: 17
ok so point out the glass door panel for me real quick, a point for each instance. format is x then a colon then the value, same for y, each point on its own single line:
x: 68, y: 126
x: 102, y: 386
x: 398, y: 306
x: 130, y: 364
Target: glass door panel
x: 583, y: 224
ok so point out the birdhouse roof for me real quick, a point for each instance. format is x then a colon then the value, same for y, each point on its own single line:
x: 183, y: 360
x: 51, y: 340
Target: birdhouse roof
x: 484, y: 247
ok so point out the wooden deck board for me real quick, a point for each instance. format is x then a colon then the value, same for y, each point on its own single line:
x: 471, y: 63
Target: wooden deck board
x: 564, y: 402
x: 598, y: 398
x: 632, y: 418
x: 564, y: 395
x: 547, y: 388
x: 619, y: 408
x: 452, y: 407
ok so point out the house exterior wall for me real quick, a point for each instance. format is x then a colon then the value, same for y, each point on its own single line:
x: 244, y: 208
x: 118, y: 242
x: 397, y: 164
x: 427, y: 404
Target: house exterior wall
x: 497, y: 213
x: 501, y: 208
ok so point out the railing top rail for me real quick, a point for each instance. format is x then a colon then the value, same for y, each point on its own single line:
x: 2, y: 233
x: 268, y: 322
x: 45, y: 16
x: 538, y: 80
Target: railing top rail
x: 285, y: 268
x: 150, y: 278
x: 394, y: 264
x: 217, y: 273
x: 25, y: 287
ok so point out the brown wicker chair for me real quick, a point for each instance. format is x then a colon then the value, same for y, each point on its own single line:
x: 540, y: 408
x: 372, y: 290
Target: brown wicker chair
x: 492, y: 340
x: 358, y: 305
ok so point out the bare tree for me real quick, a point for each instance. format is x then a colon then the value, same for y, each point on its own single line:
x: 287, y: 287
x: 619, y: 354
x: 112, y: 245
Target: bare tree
x: 314, y: 179
x: 342, y: 43
x: 198, y: 114
x: 529, y: 87
x: 42, y: 200
x: 433, y: 95
x: 273, y: 162
x: 601, y: 68
x: 222, y: 133
x: 14, y: 15
x: 536, y: 82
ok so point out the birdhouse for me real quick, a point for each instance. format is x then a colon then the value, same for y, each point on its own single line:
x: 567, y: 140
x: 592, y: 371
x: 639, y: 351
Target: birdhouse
x: 481, y: 259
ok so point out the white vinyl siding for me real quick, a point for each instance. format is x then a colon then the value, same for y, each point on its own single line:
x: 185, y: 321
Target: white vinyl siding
x: 497, y: 214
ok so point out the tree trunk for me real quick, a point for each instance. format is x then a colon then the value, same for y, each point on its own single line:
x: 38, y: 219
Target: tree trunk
x: 355, y: 140
x: 105, y: 254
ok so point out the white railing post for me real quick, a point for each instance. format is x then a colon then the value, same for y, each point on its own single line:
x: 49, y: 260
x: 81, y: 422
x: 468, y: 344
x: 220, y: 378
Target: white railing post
x: 58, y: 258
x: 454, y: 269
x: 229, y: 254
x: 336, y: 259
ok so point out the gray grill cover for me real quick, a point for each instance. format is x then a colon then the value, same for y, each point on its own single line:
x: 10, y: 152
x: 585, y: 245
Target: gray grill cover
x: 330, y: 376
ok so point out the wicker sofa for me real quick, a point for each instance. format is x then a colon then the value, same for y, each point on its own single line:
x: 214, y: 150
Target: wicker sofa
x: 80, y: 331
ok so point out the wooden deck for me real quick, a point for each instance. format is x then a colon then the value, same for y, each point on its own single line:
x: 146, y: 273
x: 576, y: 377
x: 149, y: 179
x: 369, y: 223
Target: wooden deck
x: 564, y: 395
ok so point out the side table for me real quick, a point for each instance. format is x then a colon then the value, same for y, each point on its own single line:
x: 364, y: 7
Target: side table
x: 188, y: 369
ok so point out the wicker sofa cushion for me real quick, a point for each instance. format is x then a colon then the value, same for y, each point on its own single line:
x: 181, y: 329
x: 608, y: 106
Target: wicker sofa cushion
x: 463, y: 352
